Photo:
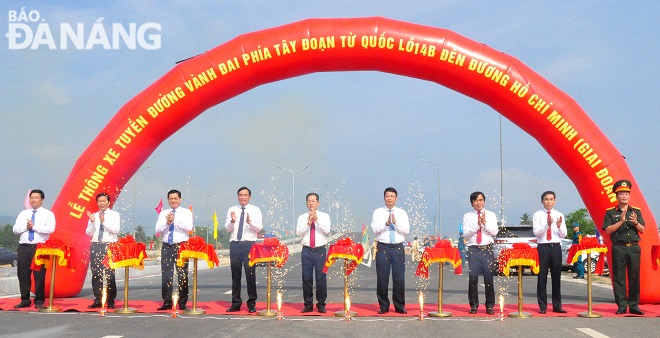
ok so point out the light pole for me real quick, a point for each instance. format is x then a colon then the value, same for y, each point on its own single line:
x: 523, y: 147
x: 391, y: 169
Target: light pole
x: 439, y: 217
x: 293, y: 196
x: 135, y: 195
x: 501, y: 177
x: 209, y: 216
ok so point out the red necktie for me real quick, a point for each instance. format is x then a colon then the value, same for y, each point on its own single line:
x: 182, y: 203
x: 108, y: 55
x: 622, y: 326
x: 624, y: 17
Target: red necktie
x: 548, y: 234
x: 479, y: 231
x: 312, y: 235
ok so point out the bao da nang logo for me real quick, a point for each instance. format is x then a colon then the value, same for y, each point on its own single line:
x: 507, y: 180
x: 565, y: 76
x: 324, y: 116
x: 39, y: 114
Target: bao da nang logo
x: 29, y: 30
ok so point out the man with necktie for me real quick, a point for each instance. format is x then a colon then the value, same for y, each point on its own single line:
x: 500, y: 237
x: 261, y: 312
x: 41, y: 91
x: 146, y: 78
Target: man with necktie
x: 35, y: 226
x: 479, y: 230
x: 624, y: 223
x: 243, y: 235
x: 103, y: 226
x: 173, y: 226
x: 313, y: 227
x: 549, y: 228
x: 390, y: 225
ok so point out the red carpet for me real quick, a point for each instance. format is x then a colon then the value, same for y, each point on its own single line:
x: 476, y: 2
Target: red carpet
x: 363, y: 310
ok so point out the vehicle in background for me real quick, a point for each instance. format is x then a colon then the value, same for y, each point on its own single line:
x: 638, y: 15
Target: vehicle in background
x: 508, y: 235
x: 8, y: 256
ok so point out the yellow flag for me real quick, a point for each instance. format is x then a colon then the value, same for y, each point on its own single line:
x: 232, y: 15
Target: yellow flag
x: 215, y: 225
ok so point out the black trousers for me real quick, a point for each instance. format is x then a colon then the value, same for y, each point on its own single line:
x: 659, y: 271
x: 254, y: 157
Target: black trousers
x: 238, y: 259
x: 313, y: 261
x: 96, y: 255
x: 626, y: 259
x: 549, y: 258
x: 391, y: 257
x: 168, y: 255
x: 480, y: 260
x: 23, y: 271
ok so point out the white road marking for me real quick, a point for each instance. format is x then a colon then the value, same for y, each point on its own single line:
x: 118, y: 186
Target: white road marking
x: 591, y: 332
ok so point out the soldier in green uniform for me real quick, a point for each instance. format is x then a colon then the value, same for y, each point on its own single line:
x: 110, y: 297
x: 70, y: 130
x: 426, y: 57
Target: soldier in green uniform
x: 624, y: 224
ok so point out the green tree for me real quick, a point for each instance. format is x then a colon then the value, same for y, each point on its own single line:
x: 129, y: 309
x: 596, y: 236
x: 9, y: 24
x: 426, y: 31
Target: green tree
x: 140, y: 235
x: 525, y: 219
x: 7, y: 237
x: 581, y: 217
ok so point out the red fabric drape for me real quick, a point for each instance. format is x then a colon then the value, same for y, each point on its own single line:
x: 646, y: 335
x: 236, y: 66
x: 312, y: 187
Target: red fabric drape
x: 52, y: 247
x: 441, y: 252
x: 588, y: 245
x: 196, y: 247
x: 271, y: 250
x: 346, y: 249
x: 125, y: 252
x: 521, y: 254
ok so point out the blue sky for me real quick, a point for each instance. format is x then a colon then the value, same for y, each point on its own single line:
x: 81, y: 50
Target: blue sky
x: 358, y: 132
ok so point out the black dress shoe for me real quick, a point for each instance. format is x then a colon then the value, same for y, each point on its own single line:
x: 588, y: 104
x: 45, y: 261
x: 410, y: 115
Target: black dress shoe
x: 473, y: 311
x: 252, y: 309
x: 165, y: 307
x: 22, y: 305
x: 307, y: 309
x: 578, y: 277
x: 560, y: 311
x: 182, y: 307
x: 111, y: 305
x: 621, y: 311
x: 322, y: 309
x: 234, y: 308
x: 401, y: 311
x: 382, y: 312
x: 490, y: 311
x: 637, y: 311
x: 94, y: 306
x: 542, y: 312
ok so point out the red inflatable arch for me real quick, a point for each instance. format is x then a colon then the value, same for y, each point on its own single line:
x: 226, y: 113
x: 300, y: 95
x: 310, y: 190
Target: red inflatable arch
x: 323, y: 45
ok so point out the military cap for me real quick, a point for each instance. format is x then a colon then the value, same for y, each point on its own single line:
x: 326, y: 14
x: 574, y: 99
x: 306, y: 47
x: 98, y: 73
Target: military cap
x: 622, y: 185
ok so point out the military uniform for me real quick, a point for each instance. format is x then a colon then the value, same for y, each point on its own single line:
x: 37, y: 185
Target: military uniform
x: 625, y: 252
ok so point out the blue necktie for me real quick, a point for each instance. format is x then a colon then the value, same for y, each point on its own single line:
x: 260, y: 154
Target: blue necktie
x: 31, y: 232
x: 170, y: 238
x: 392, y: 232
x: 100, y: 238
x: 239, y: 234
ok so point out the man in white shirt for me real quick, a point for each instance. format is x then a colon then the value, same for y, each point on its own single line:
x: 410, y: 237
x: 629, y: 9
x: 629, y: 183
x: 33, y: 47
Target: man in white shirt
x: 549, y: 228
x: 243, y: 235
x: 480, y: 229
x: 173, y: 226
x: 313, y: 227
x: 35, y: 226
x: 390, y: 225
x: 103, y: 226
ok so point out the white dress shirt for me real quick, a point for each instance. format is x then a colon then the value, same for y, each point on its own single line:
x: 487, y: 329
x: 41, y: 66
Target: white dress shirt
x: 183, y: 224
x: 43, y: 226
x: 471, y: 226
x: 540, y: 226
x: 249, y: 230
x: 321, y: 228
x: 110, y: 226
x: 381, y: 229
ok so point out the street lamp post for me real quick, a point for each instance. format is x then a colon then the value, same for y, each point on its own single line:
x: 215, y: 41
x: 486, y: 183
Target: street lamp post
x: 208, y: 215
x: 135, y: 196
x: 439, y: 217
x: 293, y: 195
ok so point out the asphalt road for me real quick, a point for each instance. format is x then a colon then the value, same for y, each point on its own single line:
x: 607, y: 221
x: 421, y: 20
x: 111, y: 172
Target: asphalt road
x: 215, y: 285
